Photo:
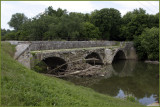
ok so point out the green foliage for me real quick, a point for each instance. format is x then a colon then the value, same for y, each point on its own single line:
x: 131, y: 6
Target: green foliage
x: 131, y: 98
x: 134, y: 23
x: 89, y: 32
x: 108, y: 22
x: 23, y: 87
x: 67, y: 28
x: 36, y: 28
x: 4, y: 32
x: 17, y: 20
x: 41, y: 67
x: 142, y: 54
x: 21, y: 35
x: 147, y: 44
x: 153, y: 20
x: 7, y: 48
x: 104, y: 24
x: 10, y: 36
x: 58, y: 13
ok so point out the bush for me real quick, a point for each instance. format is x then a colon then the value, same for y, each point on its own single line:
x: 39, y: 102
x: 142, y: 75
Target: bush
x: 131, y: 98
x: 41, y: 67
x: 9, y: 36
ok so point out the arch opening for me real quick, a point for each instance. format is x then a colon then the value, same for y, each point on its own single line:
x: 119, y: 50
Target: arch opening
x: 55, y: 64
x: 119, y: 56
x: 94, y: 59
x: 119, y: 60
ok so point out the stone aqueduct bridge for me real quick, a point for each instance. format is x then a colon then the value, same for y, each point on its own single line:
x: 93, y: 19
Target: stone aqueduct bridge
x: 60, y: 52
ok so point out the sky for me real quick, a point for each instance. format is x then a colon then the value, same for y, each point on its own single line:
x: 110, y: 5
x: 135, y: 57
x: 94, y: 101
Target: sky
x: 32, y: 8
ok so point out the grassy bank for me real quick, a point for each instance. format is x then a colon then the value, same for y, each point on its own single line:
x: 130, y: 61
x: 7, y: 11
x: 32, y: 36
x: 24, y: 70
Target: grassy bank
x: 21, y: 86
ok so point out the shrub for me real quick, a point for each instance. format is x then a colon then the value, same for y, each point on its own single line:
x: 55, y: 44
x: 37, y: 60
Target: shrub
x: 131, y: 98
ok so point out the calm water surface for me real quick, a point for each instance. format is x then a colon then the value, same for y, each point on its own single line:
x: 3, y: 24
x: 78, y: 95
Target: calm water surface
x: 125, y: 77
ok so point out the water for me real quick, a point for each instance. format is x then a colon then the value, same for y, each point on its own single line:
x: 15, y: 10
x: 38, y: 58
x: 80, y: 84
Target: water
x: 126, y: 77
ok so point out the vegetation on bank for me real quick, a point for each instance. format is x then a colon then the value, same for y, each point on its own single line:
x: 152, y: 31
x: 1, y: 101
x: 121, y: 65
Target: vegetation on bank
x: 21, y: 86
x: 147, y: 44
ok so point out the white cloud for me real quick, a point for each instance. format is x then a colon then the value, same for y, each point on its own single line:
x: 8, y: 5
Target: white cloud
x: 8, y: 8
x: 71, y: 6
x: 6, y: 13
x: 125, y: 4
x: 32, y: 8
x: 152, y: 7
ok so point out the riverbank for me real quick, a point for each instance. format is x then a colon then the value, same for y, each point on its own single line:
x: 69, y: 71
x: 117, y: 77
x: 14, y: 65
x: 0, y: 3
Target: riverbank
x: 23, y: 87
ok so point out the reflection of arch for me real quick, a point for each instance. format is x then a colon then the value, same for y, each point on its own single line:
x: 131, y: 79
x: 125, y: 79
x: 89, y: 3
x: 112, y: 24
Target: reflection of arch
x: 54, y: 62
x: 95, y: 59
x: 118, y: 65
x: 123, y: 68
x: 119, y: 55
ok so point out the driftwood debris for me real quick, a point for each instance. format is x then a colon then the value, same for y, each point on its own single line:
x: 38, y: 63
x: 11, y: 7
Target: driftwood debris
x: 53, y: 70
x: 80, y: 72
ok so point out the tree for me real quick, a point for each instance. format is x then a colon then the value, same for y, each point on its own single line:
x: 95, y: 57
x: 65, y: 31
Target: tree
x: 147, y: 44
x: 108, y: 21
x: 58, y: 13
x: 9, y: 36
x: 4, y: 31
x: 89, y: 32
x: 36, y: 28
x: 134, y: 23
x: 17, y: 20
x: 87, y: 17
x: 21, y: 35
x: 156, y: 20
x: 50, y: 11
x: 105, y: 24
x: 153, y: 20
x: 67, y: 27
x: 61, y: 12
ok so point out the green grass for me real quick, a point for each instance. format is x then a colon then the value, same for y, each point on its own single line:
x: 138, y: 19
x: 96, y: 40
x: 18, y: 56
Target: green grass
x: 21, y: 86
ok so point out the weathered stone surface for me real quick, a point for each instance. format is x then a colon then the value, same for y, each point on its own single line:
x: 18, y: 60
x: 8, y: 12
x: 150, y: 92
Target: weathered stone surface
x: 30, y: 53
x: 51, y: 45
x: 20, y: 49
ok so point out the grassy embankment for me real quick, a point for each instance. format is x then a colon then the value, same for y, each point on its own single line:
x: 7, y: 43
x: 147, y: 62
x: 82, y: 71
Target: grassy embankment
x: 21, y: 86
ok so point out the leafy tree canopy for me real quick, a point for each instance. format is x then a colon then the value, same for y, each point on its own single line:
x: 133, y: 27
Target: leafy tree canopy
x: 17, y: 20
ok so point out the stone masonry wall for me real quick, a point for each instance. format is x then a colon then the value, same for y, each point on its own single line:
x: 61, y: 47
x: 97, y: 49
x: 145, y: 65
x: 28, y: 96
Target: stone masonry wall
x: 51, y: 45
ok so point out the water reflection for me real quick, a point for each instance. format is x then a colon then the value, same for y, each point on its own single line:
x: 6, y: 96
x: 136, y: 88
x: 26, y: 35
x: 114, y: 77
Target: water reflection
x: 120, y: 94
x: 148, y: 100
x: 136, y: 78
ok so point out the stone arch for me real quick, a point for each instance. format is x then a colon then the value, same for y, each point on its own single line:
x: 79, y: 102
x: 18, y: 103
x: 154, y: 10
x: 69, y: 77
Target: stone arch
x: 119, y: 55
x: 95, y: 59
x: 55, y: 62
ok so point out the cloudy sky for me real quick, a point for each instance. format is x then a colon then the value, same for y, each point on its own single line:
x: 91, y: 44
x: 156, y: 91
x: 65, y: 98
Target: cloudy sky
x: 32, y: 8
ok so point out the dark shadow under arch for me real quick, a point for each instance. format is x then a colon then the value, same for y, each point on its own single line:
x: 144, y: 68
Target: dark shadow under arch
x: 55, y: 62
x: 118, y: 62
x: 119, y: 56
x: 94, y: 59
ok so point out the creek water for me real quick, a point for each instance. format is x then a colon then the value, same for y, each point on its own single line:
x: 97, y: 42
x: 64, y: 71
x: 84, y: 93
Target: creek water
x: 123, y: 78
